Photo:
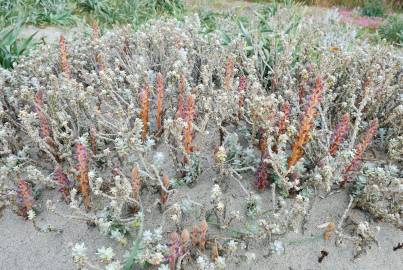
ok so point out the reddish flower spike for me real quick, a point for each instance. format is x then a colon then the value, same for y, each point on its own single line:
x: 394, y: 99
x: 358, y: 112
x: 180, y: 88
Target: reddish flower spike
x: 66, y: 185
x: 339, y: 134
x: 82, y: 167
x: 24, y: 198
x: 282, y: 126
x: 360, y: 149
x: 44, y: 129
x: 63, y: 58
x: 262, y: 176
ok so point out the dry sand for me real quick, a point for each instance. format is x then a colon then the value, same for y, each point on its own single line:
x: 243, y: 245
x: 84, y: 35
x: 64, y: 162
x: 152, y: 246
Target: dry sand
x: 24, y: 248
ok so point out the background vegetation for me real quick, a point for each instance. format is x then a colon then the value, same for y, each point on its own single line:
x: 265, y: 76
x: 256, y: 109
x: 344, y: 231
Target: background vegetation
x: 16, y: 13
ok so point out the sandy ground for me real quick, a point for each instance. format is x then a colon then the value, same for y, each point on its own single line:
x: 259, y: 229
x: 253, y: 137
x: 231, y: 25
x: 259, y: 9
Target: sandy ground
x: 24, y: 248
x: 48, y: 34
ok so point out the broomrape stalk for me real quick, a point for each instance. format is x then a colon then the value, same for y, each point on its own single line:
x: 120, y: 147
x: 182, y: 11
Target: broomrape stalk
x: 241, y: 92
x: 160, y: 100
x: 136, y: 183
x: 285, y: 109
x: 95, y: 39
x: 44, y: 129
x: 262, y: 175
x: 181, y: 91
x: 262, y: 142
x: 82, y: 158
x: 163, y: 193
x: 95, y: 31
x: 203, y: 235
x: 360, y: 149
x: 24, y: 198
x: 188, y: 132
x: 145, y: 106
x: 339, y: 134
x: 63, y: 58
x: 229, y: 73
x: 66, y: 185
x: 306, y: 124
x: 195, y: 235
x: 93, y: 139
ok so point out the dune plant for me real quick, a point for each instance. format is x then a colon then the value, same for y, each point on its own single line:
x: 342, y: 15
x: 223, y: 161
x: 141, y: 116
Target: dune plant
x: 391, y: 30
x: 292, y: 142
x: 12, y: 46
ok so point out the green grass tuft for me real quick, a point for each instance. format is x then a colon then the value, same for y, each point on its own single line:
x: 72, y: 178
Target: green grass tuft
x: 392, y: 30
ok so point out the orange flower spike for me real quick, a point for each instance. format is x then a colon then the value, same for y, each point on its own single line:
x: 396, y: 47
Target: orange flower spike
x: 145, y: 107
x: 160, y: 99
x: 190, y: 109
x: 63, y: 58
x: 306, y: 124
x: 339, y: 134
x: 163, y: 193
x: 229, y: 74
x: 136, y: 183
x: 82, y: 158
